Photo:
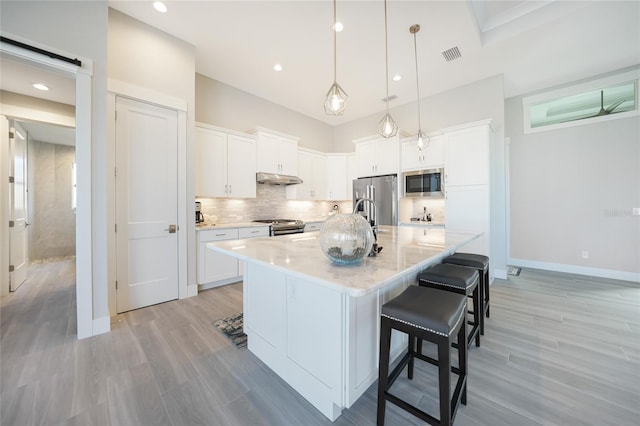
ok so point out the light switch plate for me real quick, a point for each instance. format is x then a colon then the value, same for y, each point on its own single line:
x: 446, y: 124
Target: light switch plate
x: 636, y: 211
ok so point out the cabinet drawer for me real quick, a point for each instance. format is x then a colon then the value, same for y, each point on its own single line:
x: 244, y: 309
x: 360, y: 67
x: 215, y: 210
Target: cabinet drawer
x: 260, y: 231
x: 218, y: 234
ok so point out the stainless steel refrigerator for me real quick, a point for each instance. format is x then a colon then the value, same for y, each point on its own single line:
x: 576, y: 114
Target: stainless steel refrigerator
x: 383, y: 190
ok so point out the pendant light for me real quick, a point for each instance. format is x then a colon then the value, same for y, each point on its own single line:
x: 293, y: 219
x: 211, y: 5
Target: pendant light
x: 423, y: 140
x: 387, y: 127
x: 336, y: 98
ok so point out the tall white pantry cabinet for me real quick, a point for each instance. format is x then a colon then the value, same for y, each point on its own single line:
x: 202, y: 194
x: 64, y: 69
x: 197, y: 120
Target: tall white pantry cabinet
x: 468, y: 150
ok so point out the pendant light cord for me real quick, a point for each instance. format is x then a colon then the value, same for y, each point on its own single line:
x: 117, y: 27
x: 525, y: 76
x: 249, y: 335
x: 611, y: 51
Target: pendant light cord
x: 335, y: 55
x: 415, y: 51
x: 386, y: 54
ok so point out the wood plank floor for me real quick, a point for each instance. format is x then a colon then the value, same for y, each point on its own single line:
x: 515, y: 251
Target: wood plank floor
x: 558, y: 350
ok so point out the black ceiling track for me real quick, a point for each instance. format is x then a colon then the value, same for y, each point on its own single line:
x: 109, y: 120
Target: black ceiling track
x: 74, y: 61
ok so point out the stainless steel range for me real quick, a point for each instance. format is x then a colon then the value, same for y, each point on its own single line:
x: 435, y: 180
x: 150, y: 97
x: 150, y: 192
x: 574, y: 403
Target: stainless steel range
x: 283, y: 226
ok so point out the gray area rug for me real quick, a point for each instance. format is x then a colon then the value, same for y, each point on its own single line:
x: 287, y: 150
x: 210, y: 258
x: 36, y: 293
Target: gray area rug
x: 513, y: 270
x: 231, y: 327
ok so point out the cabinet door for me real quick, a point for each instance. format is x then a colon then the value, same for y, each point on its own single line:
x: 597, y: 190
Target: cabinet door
x: 386, y: 152
x: 215, y: 266
x: 411, y: 156
x: 365, y: 159
x: 337, y: 177
x: 268, y: 153
x: 467, y: 209
x: 433, y: 155
x: 241, y: 162
x: 351, y: 174
x: 467, y: 156
x: 211, y: 163
x: 302, y: 191
x: 288, y: 153
x: 319, y: 177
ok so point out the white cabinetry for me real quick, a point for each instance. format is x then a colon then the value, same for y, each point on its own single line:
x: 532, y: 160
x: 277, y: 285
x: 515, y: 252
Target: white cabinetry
x: 214, y: 268
x: 312, y: 170
x: 430, y: 157
x: 276, y: 152
x: 467, y: 183
x: 337, y: 174
x: 376, y: 156
x: 225, y: 163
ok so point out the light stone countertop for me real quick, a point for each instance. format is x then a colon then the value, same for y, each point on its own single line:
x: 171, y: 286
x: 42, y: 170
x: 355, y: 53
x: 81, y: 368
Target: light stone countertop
x: 422, y: 224
x: 206, y: 226
x: 406, y: 251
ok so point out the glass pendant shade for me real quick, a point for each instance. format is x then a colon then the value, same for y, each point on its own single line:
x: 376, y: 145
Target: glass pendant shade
x: 336, y: 100
x: 423, y: 140
x: 387, y: 127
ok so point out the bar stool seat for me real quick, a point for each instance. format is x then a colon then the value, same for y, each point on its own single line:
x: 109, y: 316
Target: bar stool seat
x: 439, y: 317
x: 481, y: 264
x: 461, y: 280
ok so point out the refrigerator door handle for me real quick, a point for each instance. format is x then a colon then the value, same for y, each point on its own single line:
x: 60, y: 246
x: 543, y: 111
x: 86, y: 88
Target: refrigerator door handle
x: 373, y: 219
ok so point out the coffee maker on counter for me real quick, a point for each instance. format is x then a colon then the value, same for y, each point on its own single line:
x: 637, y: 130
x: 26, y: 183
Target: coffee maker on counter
x: 199, y: 215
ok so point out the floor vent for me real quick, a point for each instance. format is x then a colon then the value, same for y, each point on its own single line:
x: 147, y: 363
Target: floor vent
x: 392, y: 97
x: 451, y: 54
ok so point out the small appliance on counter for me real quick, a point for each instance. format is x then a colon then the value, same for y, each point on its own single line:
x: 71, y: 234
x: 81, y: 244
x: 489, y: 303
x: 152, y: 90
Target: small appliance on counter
x: 199, y: 215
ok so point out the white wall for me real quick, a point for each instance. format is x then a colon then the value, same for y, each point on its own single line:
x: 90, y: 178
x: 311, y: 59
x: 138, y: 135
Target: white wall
x: 163, y: 66
x: 225, y: 106
x: 77, y: 29
x: 571, y: 190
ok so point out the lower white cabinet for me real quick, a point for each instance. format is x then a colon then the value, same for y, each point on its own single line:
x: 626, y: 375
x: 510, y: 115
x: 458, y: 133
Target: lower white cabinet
x: 467, y: 209
x: 216, y: 269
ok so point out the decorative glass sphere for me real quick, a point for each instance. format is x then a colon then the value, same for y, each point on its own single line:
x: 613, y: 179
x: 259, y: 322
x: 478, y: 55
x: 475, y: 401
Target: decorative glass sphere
x: 346, y: 238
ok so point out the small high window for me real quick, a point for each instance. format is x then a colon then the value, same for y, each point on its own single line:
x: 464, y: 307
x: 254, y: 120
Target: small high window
x: 603, y: 99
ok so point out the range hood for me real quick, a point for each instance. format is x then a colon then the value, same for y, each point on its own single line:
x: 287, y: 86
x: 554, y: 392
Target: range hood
x: 276, y: 179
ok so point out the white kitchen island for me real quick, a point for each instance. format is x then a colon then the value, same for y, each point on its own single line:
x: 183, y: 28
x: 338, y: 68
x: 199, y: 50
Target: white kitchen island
x: 316, y: 324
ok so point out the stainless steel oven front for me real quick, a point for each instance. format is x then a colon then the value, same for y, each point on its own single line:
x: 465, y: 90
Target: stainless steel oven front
x: 424, y: 183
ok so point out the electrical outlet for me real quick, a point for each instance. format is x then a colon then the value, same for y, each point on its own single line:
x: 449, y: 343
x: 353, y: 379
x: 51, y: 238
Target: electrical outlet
x: 585, y: 254
x: 636, y: 211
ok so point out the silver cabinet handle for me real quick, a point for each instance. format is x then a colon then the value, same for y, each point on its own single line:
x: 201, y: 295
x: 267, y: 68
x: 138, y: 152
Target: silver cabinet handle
x: 172, y: 229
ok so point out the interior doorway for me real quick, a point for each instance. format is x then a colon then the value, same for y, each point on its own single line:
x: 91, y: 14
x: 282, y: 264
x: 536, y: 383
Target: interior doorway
x: 80, y: 78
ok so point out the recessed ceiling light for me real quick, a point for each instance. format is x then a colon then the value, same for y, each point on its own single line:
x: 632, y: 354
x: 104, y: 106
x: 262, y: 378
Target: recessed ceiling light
x: 40, y: 86
x: 338, y: 27
x: 160, y: 7
x: 397, y: 77
x: 277, y: 67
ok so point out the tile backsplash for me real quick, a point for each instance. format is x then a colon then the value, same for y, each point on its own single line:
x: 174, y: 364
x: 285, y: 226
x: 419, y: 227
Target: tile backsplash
x: 414, y: 207
x: 270, y: 203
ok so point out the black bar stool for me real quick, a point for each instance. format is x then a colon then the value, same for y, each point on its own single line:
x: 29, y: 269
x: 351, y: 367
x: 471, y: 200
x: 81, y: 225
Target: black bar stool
x: 461, y: 280
x: 481, y: 264
x: 436, y: 316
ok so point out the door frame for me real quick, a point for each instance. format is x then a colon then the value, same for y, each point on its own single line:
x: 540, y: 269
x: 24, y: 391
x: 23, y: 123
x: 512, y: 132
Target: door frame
x: 83, y: 76
x: 116, y: 88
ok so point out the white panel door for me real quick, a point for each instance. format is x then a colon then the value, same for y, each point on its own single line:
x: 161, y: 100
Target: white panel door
x: 18, y: 208
x: 146, y: 204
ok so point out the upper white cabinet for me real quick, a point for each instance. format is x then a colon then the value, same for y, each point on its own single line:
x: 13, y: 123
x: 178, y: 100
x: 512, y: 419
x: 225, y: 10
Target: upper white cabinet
x: 432, y: 156
x: 467, y: 155
x: 225, y: 163
x: 376, y: 156
x: 276, y: 152
x: 338, y: 177
x: 312, y: 170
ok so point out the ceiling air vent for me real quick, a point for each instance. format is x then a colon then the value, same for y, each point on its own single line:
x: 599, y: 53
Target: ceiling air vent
x: 392, y: 97
x: 451, y: 54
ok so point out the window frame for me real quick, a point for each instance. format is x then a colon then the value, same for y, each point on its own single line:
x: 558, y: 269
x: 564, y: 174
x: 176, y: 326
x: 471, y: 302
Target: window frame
x: 576, y: 89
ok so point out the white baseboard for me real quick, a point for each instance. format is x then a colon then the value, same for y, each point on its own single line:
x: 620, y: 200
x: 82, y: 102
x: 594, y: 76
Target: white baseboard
x: 192, y: 290
x: 500, y: 274
x: 580, y: 270
x: 101, y: 325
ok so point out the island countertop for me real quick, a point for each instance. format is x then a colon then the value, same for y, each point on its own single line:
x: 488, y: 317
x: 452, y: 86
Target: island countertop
x: 406, y: 250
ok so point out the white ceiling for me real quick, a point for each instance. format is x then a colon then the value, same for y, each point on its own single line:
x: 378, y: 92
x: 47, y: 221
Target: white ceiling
x: 49, y: 133
x: 535, y: 44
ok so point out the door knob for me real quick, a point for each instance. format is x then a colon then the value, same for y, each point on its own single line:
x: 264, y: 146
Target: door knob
x: 172, y: 229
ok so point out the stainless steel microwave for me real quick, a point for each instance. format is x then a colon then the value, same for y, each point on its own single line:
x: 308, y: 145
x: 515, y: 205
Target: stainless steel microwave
x: 424, y: 183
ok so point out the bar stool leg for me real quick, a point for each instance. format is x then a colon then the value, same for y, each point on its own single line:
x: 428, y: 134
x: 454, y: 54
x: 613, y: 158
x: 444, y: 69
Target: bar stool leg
x: 383, y: 368
x: 481, y: 290
x: 462, y: 359
x: 477, y: 312
x: 411, y: 351
x: 444, y: 360
x: 486, y: 292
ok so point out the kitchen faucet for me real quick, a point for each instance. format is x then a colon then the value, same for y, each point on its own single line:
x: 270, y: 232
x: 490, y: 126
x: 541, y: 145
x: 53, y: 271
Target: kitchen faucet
x: 374, y: 226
